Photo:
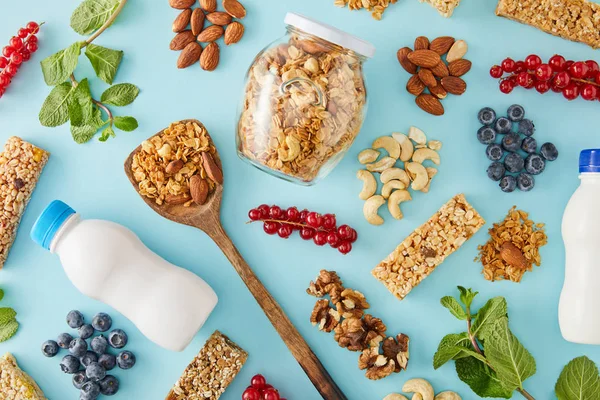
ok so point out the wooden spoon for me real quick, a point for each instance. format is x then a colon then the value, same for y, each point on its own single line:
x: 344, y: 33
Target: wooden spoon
x: 207, y: 218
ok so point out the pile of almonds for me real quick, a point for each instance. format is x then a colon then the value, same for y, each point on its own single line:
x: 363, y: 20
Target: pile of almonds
x: 433, y: 72
x: 222, y: 25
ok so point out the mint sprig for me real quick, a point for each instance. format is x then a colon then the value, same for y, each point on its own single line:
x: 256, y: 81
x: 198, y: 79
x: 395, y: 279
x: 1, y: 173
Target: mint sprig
x: 8, y: 321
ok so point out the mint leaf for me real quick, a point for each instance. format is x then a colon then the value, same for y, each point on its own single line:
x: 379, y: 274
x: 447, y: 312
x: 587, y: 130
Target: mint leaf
x: 1, y: 294
x: 107, y: 133
x: 454, y: 307
x: 126, y: 124
x: 449, y: 348
x: 120, y: 95
x: 55, y: 110
x: 84, y: 133
x: 80, y: 104
x: 467, y: 296
x: 7, y: 314
x: 579, y: 380
x: 59, y: 66
x: 511, y: 361
x: 481, y: 379
x: 487, y: 316
x: 91, y: 15
x: 8, y: 330
x: 105, y: 61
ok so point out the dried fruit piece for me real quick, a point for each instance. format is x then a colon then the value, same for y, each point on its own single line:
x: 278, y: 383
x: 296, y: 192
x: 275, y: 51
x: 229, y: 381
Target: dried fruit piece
x: 190, y: 55
x: 208, y: 5
x: 234, y: 8
x: 234, y: 33
x: 430, y: 104
x: 181, y: 4
x: 219, y: 18
x: 198, y: 189
x: 197, y: 21
x: 182, y: 20
x: 405, y: 62
x: 454, y: 85
x: 211, y: 33
x: 415, y: 86
x: 181, y: 40
x: 459, y: 67
x: 426, y: 76
x: 421, y: 43
x: 424, y: 58
x: 442, y: 44
x: 457, y: 51
x: 513, y: 256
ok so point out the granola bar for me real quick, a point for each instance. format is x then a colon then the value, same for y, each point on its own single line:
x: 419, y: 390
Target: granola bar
x: 213, y: 369
x: 445, y: 7
x: 15, y: 384
x: 21, y: 164
x: 576, y: 20
x: 428, y: 246
x: 377, y: 7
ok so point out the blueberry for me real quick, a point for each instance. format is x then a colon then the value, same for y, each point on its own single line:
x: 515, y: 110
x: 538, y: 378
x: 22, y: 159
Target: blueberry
x: 529, y: 145
x: 95, y: 371
x: 508, y: 183
x: 69, y: 364
x: 86, y: 331
x: 78, y: 347
x: 534, y: 164
x: 88, y: 358
x: 117, y: 339
x: 503, y: 125
x: 63, y: 340
x: 108, y: 361
x: 516, y: 113
x: 526, y: 127
x: 109, y: 385
x: 511, y: 142
x: 79, y: 379
x: 74, y: 319
x: 50, y: 348
x: 486, y: 135
x: 99, y: 344
x: 102, y: 322
x: 90, y: 391
x: 525, y: 182
x: 549, y: 151
x: 125, y: 359
x: 495, y: 171
x: 494, y: 152
x: 486, y: 116
x: 514, y: 162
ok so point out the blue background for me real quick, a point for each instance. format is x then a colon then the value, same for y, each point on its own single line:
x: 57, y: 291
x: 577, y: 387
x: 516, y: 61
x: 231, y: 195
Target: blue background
x: 90, y: 178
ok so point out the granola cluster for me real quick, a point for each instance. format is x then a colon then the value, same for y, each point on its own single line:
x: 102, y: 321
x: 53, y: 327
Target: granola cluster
x: 344, y: 314
x: 377, y: 7
x: 444, y: 7
x: 304, y: 105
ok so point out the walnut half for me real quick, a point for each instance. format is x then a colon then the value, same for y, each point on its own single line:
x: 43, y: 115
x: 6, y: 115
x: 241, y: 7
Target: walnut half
x: 328, y: 282
x: 378, y: 366
x: 352, y: 304
x: 324, y: 316
x: 351, y: 334
x: 397, y: 349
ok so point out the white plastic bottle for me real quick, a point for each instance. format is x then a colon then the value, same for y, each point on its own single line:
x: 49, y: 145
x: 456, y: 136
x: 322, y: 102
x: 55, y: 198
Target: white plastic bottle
x: 108, y: 262
x: 579, y: 307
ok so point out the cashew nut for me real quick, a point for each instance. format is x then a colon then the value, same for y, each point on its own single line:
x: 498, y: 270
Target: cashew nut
x: 418, y: 174
x: 426, y: 154
x: 387, y: 189
x: 448, y: 395
x: 417, y: 135
x: 420, y: 386
x: 370, y: 210
x: 431, y: 172
x: 368, y: 156
x: 417, y: 396
x: 293, y: 149
x: 389, y: 144
x: 395, y: 174
x: 395, y: 396
x: 369, y: 184
x: 381, y: 165
x: 405, y: 144
x: 394, y: 201
x: 435, y: 145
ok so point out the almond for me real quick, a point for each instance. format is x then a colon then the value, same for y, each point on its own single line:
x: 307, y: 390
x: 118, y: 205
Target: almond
x: 210, y: 57
x: 174, y: 167
x: 234, y: 33
x: 421, y: 43
x: 208, y: 5
x: 198, y: 189
x: 210, y: 166
x: 426, y: 76
x: 424, y: 58
x: 442, y: 44
x: 189, y: 55
x: 219, y: 18
x: 176, y: 199
x: 405, y: 62
x: 457, y: 51
x: 459, y: 67
x: 182, y: 39
x: 211, y: 33
x: 182, y: 20
x: 438, y: 91
x: 234, y: 8
x: 197, y: 21
x: 513, y: 256
x: 415, y: 86
x: 429, y: 104
x: 311, y: 47
x: 454, y: 85
x: 440, y: 70
x: 181, y: 4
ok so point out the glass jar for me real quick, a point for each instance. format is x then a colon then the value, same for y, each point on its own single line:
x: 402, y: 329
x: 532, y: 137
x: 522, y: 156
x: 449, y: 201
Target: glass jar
x: 304, y: 102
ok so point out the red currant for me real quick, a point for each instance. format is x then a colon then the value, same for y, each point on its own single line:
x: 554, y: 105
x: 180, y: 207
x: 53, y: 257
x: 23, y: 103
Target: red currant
x: 561, y: 80
x: 270, y: 227
x: 11, y: 70
x: 251, y: 394
x: 285, y: 231
x: 320, y: 238
x: 532, y: 62
x: 520, y: 66
x: 508, y: 65
x: 507, y: 86
x: 345, y: 248
x: 32, y: 39
x: 525, y: 79
x: 16, y: 58
x: 597, y: 78
x: 354, y: 237
x: 329, y: 222
x: 22, y: 33
x: 543, y: 72
x: 275, y: 212
x: 593, y: 69
x: 254, y: 214
x: 578, y: 70
x: 3, y: 62
x: 4, y: 81
x: 496, y: 71
x: 345, y: 232
x: 271, y: 394
x: 303, y: 215
x: 264, y: 210
x: 542, y: 86
x: 33, y: 27
x: 16, y: 42
x: 25, y: 54
x: 292, y: 214
x: 314, y: 219
x: 258, y: 381
x: 7, y: 51
x: 307, y: 233
x: 558, y: 63
x: 589, y: 92
x: 571, y: 92
x: 31, y: 47
x: 333, y: 239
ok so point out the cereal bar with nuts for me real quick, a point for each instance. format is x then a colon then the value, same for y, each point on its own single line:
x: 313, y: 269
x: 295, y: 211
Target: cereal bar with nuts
x: 21, y: 165
x: 377, y: 7
x: 428, y: 246
x: 15, y: 384
x: 211, y: 372
x: 445, y: 7
x: 576, y: 20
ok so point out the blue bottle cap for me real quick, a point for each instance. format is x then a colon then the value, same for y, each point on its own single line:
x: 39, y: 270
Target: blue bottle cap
x: 49, y: 222
x: 589, y: 160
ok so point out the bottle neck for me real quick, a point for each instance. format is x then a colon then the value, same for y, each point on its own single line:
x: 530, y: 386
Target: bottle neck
x: 66, y: 226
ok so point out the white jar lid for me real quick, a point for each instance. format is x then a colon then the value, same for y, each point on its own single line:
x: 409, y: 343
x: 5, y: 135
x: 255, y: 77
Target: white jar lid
x: 331, y: 34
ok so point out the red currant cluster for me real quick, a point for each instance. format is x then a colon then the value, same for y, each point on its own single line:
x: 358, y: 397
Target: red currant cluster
x: 19, y: 49
x: 570, y: 78
x: 259, y: 389
x: 322, y: 229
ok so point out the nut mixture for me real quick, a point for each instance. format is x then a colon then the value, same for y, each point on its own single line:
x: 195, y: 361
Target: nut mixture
x: 412, y: 151
x: 304, y: 105
x: 15, y: 384
x: 513, y: 247
x: 377, y: 7
x: 344, y: 314
x: 445, y: 7
x: 178, y: 166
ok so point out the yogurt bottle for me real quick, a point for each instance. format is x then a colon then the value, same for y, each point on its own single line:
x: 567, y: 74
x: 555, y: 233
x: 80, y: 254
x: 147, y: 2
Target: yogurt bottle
x: 108, y: 262
x: 579, y: 306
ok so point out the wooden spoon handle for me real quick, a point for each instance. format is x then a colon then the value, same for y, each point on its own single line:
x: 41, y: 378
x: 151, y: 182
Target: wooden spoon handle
x: 289, y: 334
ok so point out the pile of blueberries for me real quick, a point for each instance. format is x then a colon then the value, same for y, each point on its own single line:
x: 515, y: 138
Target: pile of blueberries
x: 89, y: 367
x: 512, y: 149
